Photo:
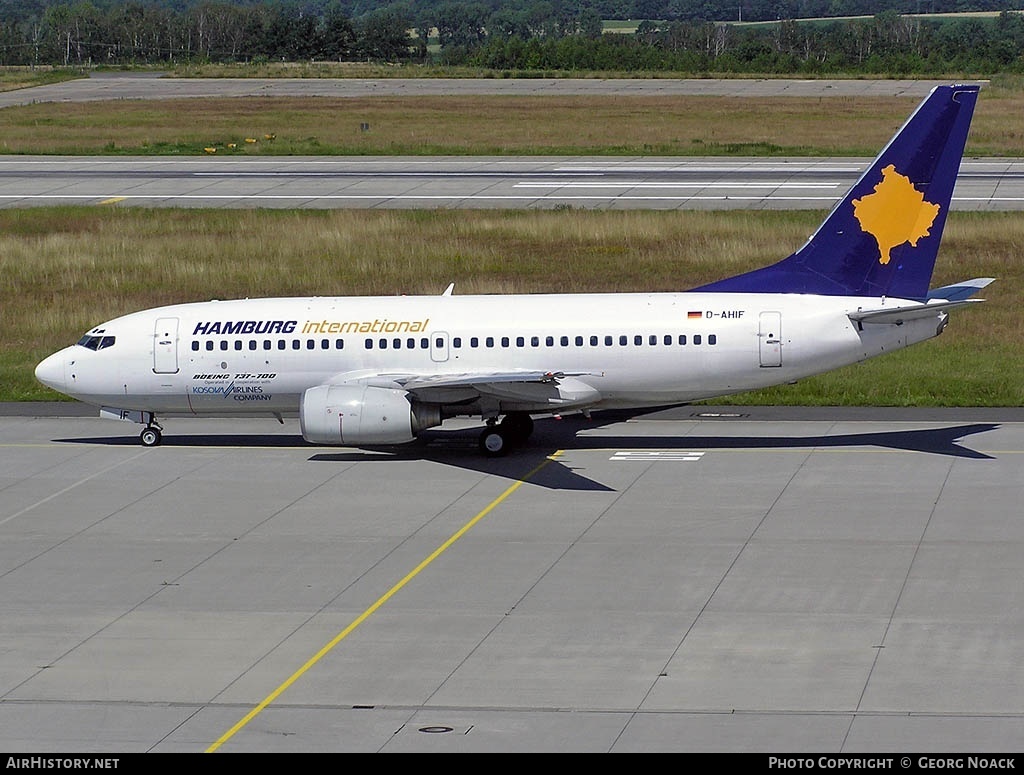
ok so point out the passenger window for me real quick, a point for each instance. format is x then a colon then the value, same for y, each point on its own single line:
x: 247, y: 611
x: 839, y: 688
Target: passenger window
x: 712, y: 339
x: 520, y: 341
x: 238, y: 344
x: 456, y: 341
x: 339, y: 344
x: 195, y: 346
x: 579, y: 341
x: 489, y: 342
x: 696, y: 338
x: 209, y: 345
x: 682, y: 339
x: 224, y: 344
x: 593, y: 341
x: 638, y: 340
x: 474, y: 342
x: 623, y: 340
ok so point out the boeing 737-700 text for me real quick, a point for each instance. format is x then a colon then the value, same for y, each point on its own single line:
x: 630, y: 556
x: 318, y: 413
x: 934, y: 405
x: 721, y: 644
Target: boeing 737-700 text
x: 367, y: 371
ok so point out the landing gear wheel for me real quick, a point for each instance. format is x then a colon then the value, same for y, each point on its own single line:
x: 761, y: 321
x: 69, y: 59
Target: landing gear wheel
x: 494, y: 441
x: 150, y: 437
x: 517, y: 427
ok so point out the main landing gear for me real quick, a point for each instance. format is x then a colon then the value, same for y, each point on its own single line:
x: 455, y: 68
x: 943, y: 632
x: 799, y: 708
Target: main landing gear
x: 152, y: 434
x: 499, y: 437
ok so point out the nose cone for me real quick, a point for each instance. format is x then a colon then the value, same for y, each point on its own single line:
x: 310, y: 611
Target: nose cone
x: 51, y: 373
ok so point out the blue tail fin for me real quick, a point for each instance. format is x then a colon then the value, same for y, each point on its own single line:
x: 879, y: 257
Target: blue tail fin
x: 883, y: 237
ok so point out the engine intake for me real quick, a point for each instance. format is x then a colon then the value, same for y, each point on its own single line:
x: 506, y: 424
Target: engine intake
x: 353, y: 415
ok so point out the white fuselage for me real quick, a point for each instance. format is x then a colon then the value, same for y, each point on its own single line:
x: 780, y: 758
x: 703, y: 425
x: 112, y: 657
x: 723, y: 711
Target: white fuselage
x: 632, y: 350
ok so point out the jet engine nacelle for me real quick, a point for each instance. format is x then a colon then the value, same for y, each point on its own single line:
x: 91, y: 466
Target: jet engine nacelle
x: 353, y: 415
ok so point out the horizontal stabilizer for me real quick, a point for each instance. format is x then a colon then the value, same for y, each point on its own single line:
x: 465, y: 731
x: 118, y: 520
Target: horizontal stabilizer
x: 961, y: 290
x: 899, y: 315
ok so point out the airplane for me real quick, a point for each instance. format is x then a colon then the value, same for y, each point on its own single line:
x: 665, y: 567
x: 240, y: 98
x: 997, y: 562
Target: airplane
x: 370, y: 371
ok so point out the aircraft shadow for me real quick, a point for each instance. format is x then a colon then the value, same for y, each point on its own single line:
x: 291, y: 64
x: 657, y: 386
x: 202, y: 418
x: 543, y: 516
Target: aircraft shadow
x: 553, y: 435
x: 459, y: 447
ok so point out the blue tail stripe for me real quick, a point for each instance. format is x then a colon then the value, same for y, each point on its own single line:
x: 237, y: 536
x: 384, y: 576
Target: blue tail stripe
x: 842, y: 258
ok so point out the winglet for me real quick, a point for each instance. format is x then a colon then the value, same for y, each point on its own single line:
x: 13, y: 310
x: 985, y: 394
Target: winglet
x: 449, y: 289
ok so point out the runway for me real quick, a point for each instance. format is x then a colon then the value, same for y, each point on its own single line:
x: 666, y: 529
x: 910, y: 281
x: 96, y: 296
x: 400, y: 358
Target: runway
x: 695, y: 579
x: 649, y: 183
x: 464, y: 182
x: 149, y: 86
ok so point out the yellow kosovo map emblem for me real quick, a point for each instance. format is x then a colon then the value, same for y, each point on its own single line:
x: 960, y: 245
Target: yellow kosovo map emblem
x: 895, y: 213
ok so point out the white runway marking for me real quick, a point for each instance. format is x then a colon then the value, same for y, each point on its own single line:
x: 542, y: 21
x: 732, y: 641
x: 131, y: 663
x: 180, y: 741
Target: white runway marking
x: 649, y: 455
x: 741, y: 165
x: 668, y: 184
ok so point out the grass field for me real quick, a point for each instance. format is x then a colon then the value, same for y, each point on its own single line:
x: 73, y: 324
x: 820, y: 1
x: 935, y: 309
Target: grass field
x: 64, y: 270
x: 493, y: 125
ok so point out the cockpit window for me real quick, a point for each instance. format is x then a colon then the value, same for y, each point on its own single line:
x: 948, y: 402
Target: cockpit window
x: 92, y: 342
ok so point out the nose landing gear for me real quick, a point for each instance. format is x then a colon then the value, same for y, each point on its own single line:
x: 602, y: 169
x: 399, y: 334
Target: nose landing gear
x: 152, y: 434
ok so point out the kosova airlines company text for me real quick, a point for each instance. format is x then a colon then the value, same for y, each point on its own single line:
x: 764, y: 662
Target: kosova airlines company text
x: 376, y: 326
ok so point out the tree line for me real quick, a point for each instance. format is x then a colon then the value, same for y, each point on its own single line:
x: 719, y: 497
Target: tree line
x: 885, y: 43
x: 519, y: 36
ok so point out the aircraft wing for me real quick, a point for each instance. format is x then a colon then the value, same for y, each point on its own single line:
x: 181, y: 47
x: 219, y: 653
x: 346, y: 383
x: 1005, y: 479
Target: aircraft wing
x: 422, y: 382
x: 547, y: 387
x: 540, y: 389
